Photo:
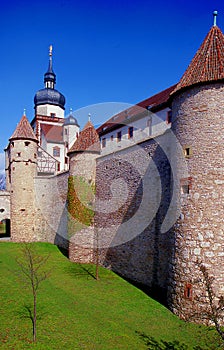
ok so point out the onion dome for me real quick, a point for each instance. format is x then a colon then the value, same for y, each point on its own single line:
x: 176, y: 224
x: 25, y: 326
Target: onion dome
x: 23, y: 131
x: 88, y: 140
x: 208, y: 62
x: 49, y: 95
x: 71, y: 120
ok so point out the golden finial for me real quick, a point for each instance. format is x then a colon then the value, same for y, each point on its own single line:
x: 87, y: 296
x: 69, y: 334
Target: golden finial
x: 50, y: 50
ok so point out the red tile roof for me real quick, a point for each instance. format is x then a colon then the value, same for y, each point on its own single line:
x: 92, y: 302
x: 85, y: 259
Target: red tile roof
x: 155, y: 103
x: 52, y: 133
x: 207, y: 64
x: 88, y: 140
x: 23, y: 131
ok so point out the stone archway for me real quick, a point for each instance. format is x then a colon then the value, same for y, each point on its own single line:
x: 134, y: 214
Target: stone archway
x: 4, y: 214
x: 5, y: 228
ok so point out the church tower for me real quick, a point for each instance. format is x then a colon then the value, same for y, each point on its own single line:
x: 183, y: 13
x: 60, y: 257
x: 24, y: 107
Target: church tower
x: 53, y: 131
x: 48, y: 101
x: 198, y: 115
x: 22, y: 162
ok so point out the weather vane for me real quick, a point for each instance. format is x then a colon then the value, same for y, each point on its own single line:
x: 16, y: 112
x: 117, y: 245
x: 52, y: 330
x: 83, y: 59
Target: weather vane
x: 89, y: 115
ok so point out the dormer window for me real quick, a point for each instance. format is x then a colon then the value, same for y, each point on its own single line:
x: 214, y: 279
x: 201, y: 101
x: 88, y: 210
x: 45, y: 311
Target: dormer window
x: 53, y: 115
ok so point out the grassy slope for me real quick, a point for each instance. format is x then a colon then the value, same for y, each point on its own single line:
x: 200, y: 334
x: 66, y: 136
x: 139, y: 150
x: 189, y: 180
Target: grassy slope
x: 78, y: 312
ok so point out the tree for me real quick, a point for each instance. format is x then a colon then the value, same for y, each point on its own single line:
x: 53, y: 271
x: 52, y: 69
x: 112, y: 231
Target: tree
x: 214, y: 312
x: 31, y: 270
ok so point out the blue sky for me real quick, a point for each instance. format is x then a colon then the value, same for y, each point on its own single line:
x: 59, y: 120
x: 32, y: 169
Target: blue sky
x: 103, y: 51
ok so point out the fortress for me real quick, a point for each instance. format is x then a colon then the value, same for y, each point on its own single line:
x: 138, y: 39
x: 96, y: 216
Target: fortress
x: 143, y: 194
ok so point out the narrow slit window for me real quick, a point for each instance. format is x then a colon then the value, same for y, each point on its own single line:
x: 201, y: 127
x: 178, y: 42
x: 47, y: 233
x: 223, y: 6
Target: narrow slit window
x: 188, y: 291
x: 186, y: 185
x: 187, y: 152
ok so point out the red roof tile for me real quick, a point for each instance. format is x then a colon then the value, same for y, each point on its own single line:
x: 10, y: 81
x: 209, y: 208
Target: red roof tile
x: 207, y: 64
x: 88, y: 140
x: 23, y: 131
x: 52, y: 133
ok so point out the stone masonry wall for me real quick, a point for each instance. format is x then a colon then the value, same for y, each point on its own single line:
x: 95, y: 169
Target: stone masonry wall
x: 132, y: 199
x: 198, y: 116
x: 51, y: 209
x: 81, y: 234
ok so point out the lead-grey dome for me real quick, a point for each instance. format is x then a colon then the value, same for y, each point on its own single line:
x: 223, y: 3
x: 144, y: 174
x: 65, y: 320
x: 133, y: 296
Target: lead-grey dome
x: 49, y: 96
x: 71, y: 120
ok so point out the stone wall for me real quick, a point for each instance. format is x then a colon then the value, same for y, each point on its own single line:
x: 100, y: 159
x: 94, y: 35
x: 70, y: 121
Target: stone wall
x: 198, y: 116
x: 51, y: 209
x: 132, y: 199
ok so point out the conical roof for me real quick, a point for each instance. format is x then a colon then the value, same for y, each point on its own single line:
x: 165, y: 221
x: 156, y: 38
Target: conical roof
x: 23, y: 131
x: 88, y: 140
x: 207, y: 65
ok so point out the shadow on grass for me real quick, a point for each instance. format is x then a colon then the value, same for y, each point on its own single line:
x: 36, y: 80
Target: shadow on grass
x: 26, y: 312
x: 79, y: 270
x: 154, y: 344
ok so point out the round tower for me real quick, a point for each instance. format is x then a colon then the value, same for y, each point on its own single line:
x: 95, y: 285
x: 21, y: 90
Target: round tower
x: 81, y: 194
x: 22, y: 170
x: 198, y: 114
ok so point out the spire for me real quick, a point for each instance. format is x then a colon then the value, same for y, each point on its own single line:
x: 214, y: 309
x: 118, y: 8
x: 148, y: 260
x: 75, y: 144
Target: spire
x: 23, y: 131
x: 208, y: 63
x: 49, y: 76
x: 215, y: 13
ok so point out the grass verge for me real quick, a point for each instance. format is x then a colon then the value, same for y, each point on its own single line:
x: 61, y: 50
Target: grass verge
x: 77, y: 312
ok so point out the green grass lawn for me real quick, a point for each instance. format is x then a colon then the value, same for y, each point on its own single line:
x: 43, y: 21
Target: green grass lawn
x: 77, y: 312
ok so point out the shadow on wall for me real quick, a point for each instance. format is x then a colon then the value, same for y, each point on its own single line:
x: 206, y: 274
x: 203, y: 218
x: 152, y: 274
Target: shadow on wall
x: 61, y: 237
x: 144, y: 259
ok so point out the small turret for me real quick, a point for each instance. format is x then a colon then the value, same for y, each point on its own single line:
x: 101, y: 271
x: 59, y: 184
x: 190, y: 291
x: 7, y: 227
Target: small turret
x: 70, y: 130
x: 22, y: 170
x: 84, y: 152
